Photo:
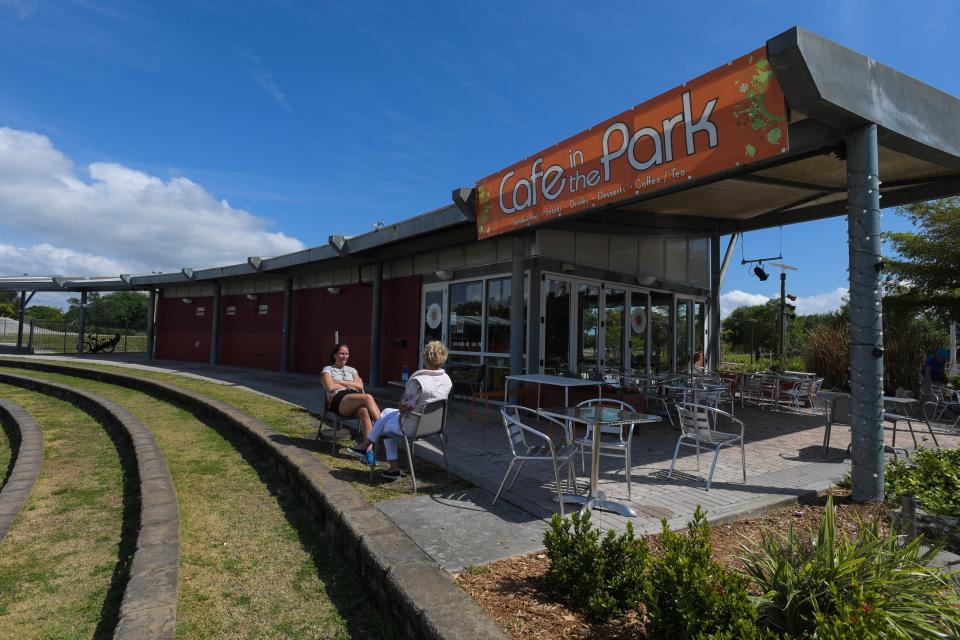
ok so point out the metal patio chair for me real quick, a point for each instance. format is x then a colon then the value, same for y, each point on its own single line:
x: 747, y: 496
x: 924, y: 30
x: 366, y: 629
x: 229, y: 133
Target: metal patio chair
x: 542, y: 448
x: 615, y: 445
x: 806, y: 388
x: 336, y: 421
x: 838, y: 410
x: 915, y: 412
x: 415, y: 426
x: 699, y: 429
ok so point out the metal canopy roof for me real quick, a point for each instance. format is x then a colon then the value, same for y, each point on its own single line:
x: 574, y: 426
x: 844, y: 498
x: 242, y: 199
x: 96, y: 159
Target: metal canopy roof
x: 829, y: 90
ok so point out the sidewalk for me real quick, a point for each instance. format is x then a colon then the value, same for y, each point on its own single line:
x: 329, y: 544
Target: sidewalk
x: 783, y: 464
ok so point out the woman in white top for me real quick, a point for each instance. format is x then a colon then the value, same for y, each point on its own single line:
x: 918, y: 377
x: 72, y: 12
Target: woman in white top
x: 426, y: 385
x: 344, y: 389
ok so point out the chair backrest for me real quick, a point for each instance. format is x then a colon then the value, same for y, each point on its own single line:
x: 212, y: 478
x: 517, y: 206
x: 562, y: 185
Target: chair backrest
x: 841, y: 410
x: 326, y: 400
x: 512, y: 421
x: 613, y: 429
x: 696, y: 421
x: 428, y: 422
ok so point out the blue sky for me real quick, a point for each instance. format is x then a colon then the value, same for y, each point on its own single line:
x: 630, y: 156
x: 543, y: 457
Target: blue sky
x: 144, y: 136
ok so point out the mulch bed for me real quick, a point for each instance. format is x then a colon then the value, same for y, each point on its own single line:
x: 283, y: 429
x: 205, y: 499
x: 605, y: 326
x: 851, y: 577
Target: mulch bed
x: 515, y: 592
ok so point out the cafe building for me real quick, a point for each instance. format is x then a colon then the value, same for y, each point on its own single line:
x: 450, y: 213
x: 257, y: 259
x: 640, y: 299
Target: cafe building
x: 602, y: 252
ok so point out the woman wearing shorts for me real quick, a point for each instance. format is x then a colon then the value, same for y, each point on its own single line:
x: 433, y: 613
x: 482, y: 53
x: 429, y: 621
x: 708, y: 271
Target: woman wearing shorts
x: 344, y: 389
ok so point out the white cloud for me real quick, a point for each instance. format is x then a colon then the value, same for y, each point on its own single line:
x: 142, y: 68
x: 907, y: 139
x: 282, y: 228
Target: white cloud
x: 121, y: 220
x: 821, y: 302
x: 736, y: 298
x: 256, y: 71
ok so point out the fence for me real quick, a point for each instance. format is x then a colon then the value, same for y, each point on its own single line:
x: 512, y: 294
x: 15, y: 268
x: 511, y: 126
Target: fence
x: 43, y: 337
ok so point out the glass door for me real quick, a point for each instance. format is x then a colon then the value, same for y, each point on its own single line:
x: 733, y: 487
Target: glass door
x: 434, y: 308
x: 588, y: 335
x: 683, y: 335
x: 614, y: 334
x: 661, y: 332
x: 638, y: 329
x: 557, y: 321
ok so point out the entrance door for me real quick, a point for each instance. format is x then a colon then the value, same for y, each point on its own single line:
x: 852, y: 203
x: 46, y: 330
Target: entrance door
x: 557, y: 322
x: 434, y: 306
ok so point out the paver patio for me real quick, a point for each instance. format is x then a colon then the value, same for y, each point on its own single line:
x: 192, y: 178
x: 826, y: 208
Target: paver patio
x: 783, y: 453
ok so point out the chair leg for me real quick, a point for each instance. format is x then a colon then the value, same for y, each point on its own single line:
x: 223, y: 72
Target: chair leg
x: 743, y: 460
x: 413, y: 476
x: 443, y: 447
x: 713, y: 466
x: 333, y: 437
x: 932, y: 435
x: 912, y: 434
x: 676, y: 452
x: 514, y: 481
x: 556, y: 475
x: 698, y: 455
x: 504, y: 481
x: 628, y: 465
x: 826, y: 439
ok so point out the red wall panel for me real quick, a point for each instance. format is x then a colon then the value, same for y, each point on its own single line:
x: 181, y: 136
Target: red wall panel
x: 399, y: 327
x: 317, y: 315
x: 181, y: 334
x: 248, y: 339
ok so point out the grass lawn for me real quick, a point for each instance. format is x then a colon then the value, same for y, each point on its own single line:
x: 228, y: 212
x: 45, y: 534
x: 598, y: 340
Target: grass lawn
x: 301, y: 426
x: 253, y: 562
x: 5, y: 455
x: 58, y: 559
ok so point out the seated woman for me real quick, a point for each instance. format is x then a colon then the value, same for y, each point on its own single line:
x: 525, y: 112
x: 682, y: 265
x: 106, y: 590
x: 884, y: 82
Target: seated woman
x: 344, y: 389
x: 426, y: 385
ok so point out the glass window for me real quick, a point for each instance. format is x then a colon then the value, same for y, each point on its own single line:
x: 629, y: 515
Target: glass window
x: 660, y: 331
x: 698, y: 333
x: 683, y: 335
x: 638, y: 331
x: 614, y: 307
x: 464, y: 330
x: 498, y: 315
x: 588, y: 314
x: 556, y: 333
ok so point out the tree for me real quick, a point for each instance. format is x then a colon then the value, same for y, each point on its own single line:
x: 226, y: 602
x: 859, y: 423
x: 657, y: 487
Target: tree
x: 926, y: 275
x: 126, y: 310
x: 44, y: 314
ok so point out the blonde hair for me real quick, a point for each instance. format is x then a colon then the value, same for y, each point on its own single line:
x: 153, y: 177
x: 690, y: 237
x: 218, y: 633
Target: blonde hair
x: 434, y: 354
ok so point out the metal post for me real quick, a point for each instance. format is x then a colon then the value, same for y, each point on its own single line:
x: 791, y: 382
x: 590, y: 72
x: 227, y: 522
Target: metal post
x: 713, y: 350
x: 783, y: 319
x: 516, y: 308
x: 375, y: 325
x: 30, y: 338
x: 953, y: 348
x: 866, y: 318
x: 64, y: 337
x: 82, y: 324
x: 285, y: 331
x: 23, y: 307
x: 533, y: 324
x: 215, y: 327
x: 151, y: 326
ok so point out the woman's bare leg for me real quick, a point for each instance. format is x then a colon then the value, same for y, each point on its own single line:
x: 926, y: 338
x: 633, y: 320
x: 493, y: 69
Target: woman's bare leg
x: 358, y: 404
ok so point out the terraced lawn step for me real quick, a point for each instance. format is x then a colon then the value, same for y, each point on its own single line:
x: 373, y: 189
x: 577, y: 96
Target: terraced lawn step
x: 26, y: 446
x: 406, y: 583
x: 148, y: 608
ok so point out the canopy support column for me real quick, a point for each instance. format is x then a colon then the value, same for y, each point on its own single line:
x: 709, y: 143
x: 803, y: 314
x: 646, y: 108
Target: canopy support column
x: 82, y: 321
x: 866, y: 313
x: 516, y: 308
x: 215, y: 327
x: 23, y: 308
x: 285, y: 330
x: 375, y: 325
x: 713, y: 349
x: 151, y: 326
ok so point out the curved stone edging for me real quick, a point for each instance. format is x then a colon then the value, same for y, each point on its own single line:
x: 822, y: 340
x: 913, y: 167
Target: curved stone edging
x: 410, y: 588
x: 28, y: 439
x: 149, y: 606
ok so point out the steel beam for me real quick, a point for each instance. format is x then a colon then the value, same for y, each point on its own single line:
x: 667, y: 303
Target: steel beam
x: 23, y: 308
x: 716, y: 281
x: 866, y: 318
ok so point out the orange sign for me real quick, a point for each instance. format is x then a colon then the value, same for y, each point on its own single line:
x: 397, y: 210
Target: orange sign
x: 728, y: 117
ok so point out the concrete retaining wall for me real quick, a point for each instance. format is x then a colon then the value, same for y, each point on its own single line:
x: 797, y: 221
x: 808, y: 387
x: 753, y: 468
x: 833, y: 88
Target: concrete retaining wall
x: 26, y: 448
x: 407, y: 585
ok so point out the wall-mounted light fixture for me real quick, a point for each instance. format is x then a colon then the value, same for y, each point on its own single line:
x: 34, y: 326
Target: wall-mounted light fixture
x: 444, y: 274
x: 334, y: 291
x: 760, y: 273
x: 646, y: 281
x: 250, y: 296
x: 186, y: 300
x: 568, y: 267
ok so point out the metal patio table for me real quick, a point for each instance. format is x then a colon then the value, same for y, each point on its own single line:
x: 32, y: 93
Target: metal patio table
x: 541, y: 379
x: 599, y: 416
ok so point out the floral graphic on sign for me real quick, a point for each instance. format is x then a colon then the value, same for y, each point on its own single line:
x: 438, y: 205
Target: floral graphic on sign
x: 755, y: 112
x: 638, y: 321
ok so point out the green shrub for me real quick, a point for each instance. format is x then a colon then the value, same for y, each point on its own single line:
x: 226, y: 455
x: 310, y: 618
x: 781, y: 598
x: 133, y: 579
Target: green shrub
x: 692, y: 596
x: 934, y: 478
x: 826, y: 580
x: 603, y: 576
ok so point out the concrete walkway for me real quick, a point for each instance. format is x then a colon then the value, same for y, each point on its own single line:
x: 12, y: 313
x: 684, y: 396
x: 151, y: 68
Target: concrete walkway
x: 784, y: 463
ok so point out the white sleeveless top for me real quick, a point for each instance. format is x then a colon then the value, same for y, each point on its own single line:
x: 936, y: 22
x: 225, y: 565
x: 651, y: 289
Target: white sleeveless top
x: 434, y: 384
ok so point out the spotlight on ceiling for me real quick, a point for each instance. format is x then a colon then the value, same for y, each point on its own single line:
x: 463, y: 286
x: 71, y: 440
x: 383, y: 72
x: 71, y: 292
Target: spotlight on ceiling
x: 760, y: 273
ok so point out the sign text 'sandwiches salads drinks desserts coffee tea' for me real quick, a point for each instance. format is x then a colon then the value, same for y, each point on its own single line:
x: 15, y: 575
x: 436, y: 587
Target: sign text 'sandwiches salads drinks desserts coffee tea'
x: 731, y: 116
